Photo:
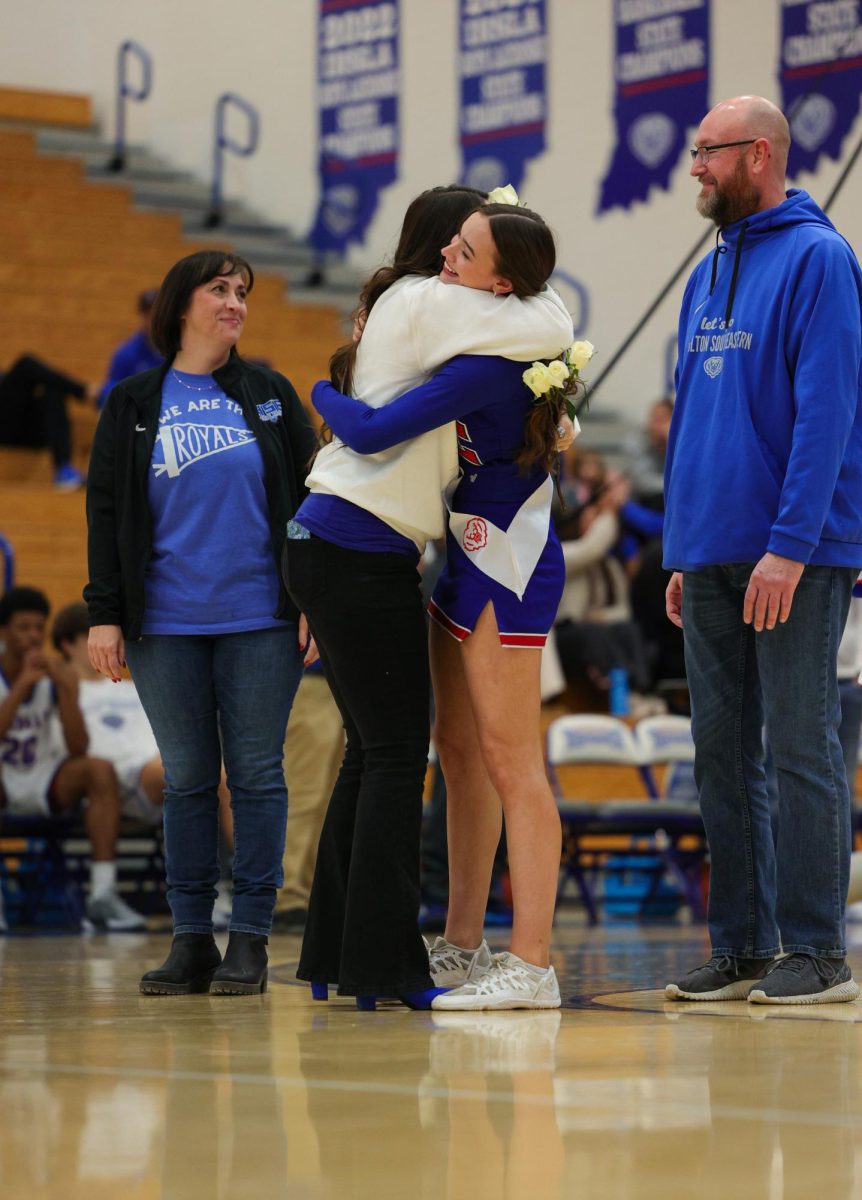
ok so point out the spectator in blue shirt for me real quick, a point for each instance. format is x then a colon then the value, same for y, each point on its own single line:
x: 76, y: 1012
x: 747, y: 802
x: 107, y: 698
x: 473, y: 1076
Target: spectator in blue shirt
x: 136, y: 353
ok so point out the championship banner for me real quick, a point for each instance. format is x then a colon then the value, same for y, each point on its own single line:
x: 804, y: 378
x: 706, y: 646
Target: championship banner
x: 821, y: 77
x: 357, y: 79
x: 662, y: 87
x: 503, y: 52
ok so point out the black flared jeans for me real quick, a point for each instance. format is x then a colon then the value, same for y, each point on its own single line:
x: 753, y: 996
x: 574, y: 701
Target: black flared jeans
x: 365, y: 611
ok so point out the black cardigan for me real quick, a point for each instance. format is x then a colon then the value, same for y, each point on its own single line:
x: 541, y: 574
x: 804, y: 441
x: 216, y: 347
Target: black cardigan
x: 118, y: 512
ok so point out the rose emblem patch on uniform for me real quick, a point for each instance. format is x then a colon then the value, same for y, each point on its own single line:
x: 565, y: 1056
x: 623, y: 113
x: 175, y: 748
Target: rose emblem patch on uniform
x: 713, y: 366
x: 270, y: 411
x: 475, y: 534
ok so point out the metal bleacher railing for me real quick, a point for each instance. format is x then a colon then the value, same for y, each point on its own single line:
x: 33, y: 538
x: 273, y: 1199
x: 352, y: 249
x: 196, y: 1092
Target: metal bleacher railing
x: 126, y: 90
x: 223, y: 142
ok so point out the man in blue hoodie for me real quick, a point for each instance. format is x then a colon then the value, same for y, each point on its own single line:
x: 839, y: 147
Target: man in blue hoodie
x: 763, y: 531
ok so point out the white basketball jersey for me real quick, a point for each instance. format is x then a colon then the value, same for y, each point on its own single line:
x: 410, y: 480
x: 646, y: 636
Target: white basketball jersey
x: 29, y: 753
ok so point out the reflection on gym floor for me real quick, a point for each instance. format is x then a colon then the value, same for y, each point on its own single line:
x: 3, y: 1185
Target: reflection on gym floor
x: 106, y: 1093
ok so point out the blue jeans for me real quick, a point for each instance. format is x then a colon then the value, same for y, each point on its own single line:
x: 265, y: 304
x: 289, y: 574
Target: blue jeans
x: 850, y: 694
x: 763, y: 897
x: 849, y: 730
x: 208, y: 697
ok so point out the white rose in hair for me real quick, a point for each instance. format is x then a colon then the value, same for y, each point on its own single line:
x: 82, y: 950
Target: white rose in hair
x: 504, y: 195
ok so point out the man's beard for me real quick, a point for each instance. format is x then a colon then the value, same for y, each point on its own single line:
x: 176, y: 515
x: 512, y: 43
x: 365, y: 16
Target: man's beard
x: 731, y: 201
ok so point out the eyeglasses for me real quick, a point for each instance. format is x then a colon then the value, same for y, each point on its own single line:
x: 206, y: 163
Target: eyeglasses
x: 703, y: 154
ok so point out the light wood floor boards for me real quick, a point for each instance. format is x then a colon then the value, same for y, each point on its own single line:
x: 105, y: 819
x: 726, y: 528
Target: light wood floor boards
x: 105, y: 1093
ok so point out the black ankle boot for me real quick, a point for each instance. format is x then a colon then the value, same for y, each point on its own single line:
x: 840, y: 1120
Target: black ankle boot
x: 243, y: 971
x: 188, y: 968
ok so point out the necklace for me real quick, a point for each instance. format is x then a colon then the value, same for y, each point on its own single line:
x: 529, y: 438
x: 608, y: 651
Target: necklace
x: 191, y: 387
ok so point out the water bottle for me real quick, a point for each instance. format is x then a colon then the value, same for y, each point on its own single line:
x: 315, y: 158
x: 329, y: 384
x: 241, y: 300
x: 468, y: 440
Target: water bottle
x: 619, y: 693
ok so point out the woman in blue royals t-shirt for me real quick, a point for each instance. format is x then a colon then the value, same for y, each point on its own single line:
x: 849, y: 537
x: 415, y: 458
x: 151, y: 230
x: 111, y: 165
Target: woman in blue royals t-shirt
x: 196, y: 468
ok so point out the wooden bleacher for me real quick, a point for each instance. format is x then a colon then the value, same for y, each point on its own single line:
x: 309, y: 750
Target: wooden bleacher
x: 48, y: 531
x: 64, y: 109
x: 76, y: 256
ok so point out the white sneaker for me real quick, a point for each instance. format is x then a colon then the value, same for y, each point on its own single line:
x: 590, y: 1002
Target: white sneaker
x: 111, y: 914
x: 452, y: 965
x: 508, y: 983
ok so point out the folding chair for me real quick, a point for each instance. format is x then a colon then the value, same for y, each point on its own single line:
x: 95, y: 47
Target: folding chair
x: 666, y: 740
x: 656, y: 825
x: 33, y: 862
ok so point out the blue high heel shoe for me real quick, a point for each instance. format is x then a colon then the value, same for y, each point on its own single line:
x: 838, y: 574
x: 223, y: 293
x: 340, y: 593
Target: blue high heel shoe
x: 415, y: 1000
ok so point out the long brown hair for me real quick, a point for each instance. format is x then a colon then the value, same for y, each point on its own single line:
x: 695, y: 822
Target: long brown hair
x: 540, y: 430
x: 526, y: 256
x: 431, y: 221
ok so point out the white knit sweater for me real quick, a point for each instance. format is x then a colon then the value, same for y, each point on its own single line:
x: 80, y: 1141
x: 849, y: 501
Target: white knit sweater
x: 417, y: 325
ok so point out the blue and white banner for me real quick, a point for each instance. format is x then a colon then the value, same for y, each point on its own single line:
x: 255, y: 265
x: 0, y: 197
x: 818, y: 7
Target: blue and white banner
x: 357, y: 74
x: 502, y: 64
x: 662, y: 87
x: 821, y: 77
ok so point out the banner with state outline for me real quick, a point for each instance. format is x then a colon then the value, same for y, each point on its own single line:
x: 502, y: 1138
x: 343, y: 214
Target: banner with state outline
x: 358, y: 68
x: 503, y: 102
x: 661, y: 72
x: 821, y: 77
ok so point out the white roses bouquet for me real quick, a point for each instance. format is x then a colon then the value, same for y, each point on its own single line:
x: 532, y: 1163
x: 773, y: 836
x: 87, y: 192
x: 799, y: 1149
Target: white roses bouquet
x: 559, y: 381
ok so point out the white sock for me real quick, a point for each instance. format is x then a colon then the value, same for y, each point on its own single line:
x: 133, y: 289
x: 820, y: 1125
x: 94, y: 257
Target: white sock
x: 103, y: 878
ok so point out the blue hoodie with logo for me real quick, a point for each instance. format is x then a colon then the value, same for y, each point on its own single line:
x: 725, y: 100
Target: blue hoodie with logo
x: 765, y: 448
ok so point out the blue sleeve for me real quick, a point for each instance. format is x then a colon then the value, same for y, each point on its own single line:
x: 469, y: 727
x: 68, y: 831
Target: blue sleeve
x: 462, y: 386
x: 824, y: 349
x: 642, y: 520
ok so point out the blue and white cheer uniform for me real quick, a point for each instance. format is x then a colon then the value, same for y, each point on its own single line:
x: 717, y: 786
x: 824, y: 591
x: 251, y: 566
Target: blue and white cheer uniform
x: 501, y: 545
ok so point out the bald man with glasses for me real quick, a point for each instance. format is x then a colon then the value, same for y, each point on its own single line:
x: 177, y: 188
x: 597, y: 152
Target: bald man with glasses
x: 763, y: 534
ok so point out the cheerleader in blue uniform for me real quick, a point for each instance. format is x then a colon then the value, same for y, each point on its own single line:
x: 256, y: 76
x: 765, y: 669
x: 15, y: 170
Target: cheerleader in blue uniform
x: 492, y: 610
x: 501, y: 545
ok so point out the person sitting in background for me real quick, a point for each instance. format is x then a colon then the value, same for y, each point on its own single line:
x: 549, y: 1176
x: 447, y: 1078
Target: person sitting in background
x: 582, y: 474
x: 663, y: 640
x: 118, y: 727
x: 38, y: 777
x: 646, y: 450
x: 119, y: 731
x: 137, y: 353
x: 594, y: 632
x: 33, y: 413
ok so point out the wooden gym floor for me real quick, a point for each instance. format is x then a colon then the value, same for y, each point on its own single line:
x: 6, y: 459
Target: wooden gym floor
x: 106, y: 1093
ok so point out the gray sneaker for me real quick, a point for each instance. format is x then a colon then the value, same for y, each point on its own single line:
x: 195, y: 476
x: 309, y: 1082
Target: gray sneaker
x: 806, y: 979
x: 109, y: 914
x: 451, y: 965
x: 722, y: 978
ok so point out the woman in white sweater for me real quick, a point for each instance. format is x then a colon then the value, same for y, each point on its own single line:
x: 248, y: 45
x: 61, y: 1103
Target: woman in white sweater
x: 352, y: 554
